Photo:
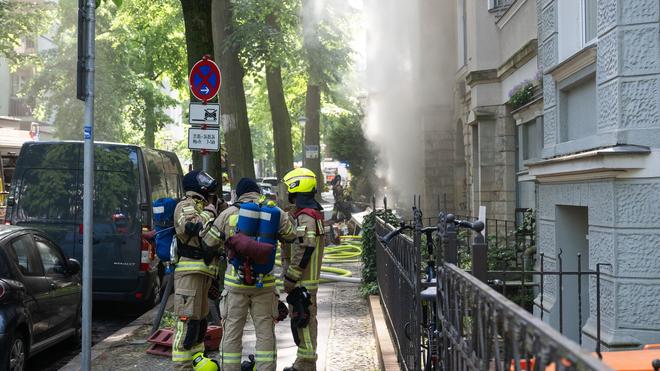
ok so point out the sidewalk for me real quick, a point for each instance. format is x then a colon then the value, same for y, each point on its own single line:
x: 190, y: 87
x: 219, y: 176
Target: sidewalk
x: 345, y: 337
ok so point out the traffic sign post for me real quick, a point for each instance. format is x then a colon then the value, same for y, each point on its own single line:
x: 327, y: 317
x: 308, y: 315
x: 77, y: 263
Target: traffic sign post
x: 205, y: 80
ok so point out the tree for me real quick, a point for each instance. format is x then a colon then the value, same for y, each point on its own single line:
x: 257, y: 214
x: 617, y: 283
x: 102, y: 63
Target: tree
x: 137, y: 51
x: 153, y: 36
x: 199, y: 42
x: 232, y: 96
x: 327, y: 56
x: 346, y: 143
x: 268, y: 30
x: 19, y: 20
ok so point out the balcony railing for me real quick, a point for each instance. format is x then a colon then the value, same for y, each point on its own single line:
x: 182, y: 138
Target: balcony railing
x: 19, y: 107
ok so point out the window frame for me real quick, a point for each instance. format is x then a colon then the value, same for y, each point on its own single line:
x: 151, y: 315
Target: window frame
x: 577, y: 79
x: 32, y: 254
x: 40, y: 239
x: 585, y: 23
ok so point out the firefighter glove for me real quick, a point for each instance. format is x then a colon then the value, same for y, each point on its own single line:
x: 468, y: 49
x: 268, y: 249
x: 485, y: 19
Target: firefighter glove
x: 300, y: 301
x: 282, y: 311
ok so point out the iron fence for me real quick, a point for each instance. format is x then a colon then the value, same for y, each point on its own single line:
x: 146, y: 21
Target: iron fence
x: 480, y: 329
x: 398, y: 267
x: 449, y: 319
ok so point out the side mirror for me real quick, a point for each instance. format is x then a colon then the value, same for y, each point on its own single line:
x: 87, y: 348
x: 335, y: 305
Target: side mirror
x: 10, y: 201
x: 74, y: 266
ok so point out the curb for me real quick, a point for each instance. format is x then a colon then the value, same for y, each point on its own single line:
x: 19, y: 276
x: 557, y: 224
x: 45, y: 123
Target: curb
x: 126, y: 332
x: 387, y: 359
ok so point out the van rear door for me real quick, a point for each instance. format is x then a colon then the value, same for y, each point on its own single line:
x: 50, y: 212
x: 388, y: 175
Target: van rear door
x: 47, y: 192
x: 117, y: 229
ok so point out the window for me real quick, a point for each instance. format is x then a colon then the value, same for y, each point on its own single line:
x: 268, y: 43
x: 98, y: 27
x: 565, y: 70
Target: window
x: 462, y: 34
x: 532, y: 139
x: 23, y: 255
x: 156, y: 175
x: 50, y: 258
x: 577, y: 21
x: 590, y: 16
x: 579, y: 113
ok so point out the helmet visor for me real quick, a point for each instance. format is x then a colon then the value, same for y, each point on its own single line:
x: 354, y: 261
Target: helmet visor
x: 207, y: 182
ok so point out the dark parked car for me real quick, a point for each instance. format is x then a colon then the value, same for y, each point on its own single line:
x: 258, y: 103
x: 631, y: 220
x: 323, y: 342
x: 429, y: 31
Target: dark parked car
x: 40, y: 295
x: 47, y: 194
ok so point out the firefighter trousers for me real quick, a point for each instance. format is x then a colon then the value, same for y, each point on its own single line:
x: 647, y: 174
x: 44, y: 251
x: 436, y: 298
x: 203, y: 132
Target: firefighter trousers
x: 191, y: 306
x: 234, y: 307
x: 306, y: 341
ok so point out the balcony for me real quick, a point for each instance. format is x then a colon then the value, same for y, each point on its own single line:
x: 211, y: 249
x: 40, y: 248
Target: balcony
x: 20, y: 107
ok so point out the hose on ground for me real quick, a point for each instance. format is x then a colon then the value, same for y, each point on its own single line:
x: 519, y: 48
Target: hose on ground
x: 348, y: 251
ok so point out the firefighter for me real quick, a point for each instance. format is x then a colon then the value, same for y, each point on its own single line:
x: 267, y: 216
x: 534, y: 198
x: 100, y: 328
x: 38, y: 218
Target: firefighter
x: 196, y: 267
x: 301, y: 266
x: 258, y: 295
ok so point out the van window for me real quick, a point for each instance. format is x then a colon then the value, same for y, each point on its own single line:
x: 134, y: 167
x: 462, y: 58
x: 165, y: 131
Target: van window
x: 173, y: 174
x: 116, y: 189
x: 156, y: 174
x: 52, y: 191
x: 48, y: 194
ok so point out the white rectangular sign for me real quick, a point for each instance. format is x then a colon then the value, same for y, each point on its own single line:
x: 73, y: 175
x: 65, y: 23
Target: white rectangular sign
x: 208, y: 139
x: 200, y: 114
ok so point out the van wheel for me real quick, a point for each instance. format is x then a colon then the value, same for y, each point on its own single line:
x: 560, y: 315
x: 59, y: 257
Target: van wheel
x: 155, y: 295
x: 17, y: 353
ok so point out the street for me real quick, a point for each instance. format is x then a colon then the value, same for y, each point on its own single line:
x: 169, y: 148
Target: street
x: 107, y: 318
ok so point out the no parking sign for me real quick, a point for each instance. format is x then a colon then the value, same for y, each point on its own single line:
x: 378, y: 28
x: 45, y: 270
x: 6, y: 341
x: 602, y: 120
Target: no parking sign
x: 205, y: 79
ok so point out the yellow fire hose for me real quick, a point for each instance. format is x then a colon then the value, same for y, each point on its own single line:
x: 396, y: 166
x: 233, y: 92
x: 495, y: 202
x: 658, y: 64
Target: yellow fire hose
x: 348, y: 251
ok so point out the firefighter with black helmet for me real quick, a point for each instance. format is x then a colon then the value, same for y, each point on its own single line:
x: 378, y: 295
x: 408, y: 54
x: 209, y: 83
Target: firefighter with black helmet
x: 196, y: 267
x: 302, y: 266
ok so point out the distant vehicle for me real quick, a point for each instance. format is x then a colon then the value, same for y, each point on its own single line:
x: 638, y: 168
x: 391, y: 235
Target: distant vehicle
x: 47, y: 194
x: 40, y: 295
x: 268, y: 191
x: 271, y: 180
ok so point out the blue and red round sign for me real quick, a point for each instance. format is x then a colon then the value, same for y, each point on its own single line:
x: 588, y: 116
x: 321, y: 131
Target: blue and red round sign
x: 205, y: 79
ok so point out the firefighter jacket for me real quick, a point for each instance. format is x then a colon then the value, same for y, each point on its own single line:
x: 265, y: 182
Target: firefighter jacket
x: 224, y: 227
x: 191, y: 209
x: 303, y: 258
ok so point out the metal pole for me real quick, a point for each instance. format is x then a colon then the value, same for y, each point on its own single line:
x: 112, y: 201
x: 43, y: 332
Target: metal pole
x: 88, y: 205
x: 205, y: 161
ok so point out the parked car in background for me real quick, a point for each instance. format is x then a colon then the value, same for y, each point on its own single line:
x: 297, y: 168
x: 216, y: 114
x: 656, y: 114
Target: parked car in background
x: 273, y: 181
x: 268, y: 191
x: 40, y: 295
x: 47, y: 194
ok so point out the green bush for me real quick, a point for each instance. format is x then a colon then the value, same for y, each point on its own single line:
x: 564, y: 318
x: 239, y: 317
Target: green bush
x: 369, y: 244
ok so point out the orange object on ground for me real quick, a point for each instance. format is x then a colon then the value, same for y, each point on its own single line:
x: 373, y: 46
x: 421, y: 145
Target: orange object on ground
x: 633, y: 360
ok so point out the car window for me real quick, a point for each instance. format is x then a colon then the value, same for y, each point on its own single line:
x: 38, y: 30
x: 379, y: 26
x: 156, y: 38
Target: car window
x: 22, y: 249
x: 4, y: 269
x: 52, y: 260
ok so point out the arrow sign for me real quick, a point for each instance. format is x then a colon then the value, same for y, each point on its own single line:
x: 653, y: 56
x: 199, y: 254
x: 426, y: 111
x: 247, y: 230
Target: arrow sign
x: 205, y: 79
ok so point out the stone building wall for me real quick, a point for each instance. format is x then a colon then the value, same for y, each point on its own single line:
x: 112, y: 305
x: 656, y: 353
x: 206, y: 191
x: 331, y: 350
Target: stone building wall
x: 612, y: 174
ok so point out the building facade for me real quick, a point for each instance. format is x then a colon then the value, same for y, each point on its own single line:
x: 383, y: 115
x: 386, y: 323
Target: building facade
x: 556, y: 108
x: 598, y: 176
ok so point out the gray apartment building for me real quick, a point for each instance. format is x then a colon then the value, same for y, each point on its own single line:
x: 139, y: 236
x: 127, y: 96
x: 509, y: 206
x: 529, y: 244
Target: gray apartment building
x: 598, y: 179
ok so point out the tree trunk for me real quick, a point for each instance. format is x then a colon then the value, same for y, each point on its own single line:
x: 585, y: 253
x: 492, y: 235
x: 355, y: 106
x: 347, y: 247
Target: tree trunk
x: 232, y: 96
x: 312, y: 132
x: 281, y: 121
x: 149, y: 120
x: 199, y: 42
x: 312, y: 45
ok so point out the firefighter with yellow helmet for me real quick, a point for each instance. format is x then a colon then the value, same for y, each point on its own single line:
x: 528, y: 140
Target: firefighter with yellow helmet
x: 196, y: 267
x: 249, y: 282
x: 302, y: 266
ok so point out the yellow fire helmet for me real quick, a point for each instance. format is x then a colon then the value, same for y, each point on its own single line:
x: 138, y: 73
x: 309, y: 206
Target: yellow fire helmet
x: 300, y: 180
x: 202, y: 363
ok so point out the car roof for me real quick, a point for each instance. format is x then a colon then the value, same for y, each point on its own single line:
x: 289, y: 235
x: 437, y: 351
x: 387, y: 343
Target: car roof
x: 6, y: 230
